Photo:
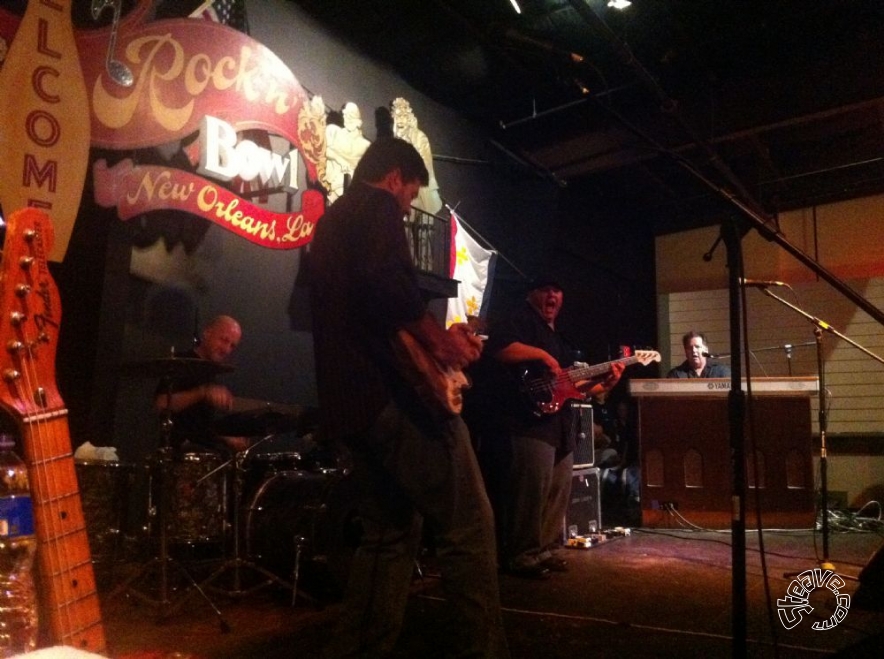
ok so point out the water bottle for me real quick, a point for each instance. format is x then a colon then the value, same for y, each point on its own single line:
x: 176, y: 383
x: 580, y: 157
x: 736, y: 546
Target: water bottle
x: 18, y: 599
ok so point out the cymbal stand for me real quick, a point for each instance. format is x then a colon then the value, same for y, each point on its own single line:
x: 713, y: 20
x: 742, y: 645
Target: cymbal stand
x: 162, y: 601
x: 237, y: 563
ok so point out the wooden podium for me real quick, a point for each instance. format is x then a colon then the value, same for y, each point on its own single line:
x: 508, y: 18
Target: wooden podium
x: 685, y: 452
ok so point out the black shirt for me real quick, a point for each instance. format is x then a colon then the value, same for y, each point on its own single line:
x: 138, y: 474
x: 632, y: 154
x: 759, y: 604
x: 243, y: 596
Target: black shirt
x: 193, y: 424
x: 363, y: 287
x: 514, y: 408
x: 711, y: 370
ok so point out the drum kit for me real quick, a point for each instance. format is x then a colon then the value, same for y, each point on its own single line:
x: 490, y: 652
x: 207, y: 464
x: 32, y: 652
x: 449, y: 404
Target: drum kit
x: 266, y: 512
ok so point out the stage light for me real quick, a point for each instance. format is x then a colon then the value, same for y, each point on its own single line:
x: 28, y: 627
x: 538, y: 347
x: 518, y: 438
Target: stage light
x: 619, y: 4
x: 516, y: 6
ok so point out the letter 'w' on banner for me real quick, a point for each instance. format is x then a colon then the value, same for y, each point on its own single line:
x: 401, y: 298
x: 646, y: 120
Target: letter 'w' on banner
x: 473, y: 266
x: 44, y: 120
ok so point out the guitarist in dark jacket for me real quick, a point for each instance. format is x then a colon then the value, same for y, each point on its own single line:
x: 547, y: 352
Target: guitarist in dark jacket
x: 537, y: 451
x: 412, y: 460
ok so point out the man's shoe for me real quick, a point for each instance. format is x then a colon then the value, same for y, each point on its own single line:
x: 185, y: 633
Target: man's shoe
x: 536, y: 571
x: 554, y: 564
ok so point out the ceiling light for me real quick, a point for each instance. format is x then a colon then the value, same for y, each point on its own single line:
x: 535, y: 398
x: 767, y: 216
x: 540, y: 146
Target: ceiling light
x: 516, y: 6
x: 616, y: 4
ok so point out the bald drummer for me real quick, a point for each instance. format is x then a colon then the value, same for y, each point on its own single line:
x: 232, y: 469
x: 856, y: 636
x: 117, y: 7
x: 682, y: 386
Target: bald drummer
x: 194, y: 399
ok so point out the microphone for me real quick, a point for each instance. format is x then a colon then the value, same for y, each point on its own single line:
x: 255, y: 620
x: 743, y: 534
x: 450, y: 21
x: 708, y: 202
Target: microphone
x: 761, y: 283
x: 709, y: 355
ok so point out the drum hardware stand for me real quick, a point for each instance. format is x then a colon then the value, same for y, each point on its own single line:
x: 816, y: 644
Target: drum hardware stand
x: 164, y: 560
x: 237, y: 563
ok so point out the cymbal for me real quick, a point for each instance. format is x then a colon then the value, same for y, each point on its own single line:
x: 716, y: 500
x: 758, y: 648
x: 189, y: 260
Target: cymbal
x: 174, y: 367
x: 241, y: 404
x: 252, y: 423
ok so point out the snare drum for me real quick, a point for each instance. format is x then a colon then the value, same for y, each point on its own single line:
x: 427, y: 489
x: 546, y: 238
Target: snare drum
x: 308, y: 515
x: 104, y: 495
x: 197, y: 491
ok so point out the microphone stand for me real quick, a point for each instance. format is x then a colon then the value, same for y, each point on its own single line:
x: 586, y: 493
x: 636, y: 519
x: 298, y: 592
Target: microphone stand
x: 788, y: 348
x: 732, y: 237
x: 819, y: 327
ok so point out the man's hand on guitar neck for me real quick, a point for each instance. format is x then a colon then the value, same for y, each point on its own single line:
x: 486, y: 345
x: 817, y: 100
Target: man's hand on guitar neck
x: 595, y: 387
x: 456, y: 347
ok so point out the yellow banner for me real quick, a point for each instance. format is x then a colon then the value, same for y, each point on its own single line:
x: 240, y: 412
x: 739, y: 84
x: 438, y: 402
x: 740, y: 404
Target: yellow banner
x: 44, y: 135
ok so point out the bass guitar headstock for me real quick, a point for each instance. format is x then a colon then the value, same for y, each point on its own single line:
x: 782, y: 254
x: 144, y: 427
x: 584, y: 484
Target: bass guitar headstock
x: 645, y: 357
x: 31, y: 316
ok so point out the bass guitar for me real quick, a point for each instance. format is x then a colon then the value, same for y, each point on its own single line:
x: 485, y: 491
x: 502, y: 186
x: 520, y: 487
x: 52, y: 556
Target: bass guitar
x: 29, y: 326
x: 546, y: 394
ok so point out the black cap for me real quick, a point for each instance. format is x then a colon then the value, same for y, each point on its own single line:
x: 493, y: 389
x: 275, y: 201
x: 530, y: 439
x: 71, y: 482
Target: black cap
x: 544, y: 281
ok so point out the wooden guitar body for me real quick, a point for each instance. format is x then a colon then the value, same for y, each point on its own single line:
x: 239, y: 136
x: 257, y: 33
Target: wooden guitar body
x: 440, y: 388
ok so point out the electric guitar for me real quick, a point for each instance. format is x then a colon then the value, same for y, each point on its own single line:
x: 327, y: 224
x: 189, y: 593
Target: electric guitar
x: 439, y: 387
x: 30, y: 316
x: 546, y: 394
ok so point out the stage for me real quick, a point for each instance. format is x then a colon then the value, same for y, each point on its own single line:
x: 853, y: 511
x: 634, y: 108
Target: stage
x: 651, y: 593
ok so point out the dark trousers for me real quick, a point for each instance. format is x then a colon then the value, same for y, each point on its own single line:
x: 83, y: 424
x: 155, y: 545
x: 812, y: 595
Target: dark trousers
x: 411, y: 468
x: 538, y: 486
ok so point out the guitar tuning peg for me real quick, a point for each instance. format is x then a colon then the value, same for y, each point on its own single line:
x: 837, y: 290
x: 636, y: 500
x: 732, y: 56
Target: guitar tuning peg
x: 22, y: 290
x: 16, y: 318
x: 11, y: 375
x: 25, y: 262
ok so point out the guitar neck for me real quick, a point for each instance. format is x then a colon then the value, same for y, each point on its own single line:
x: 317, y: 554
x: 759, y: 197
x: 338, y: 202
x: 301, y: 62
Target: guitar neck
x: 67, y: 580
x: 578, y: 373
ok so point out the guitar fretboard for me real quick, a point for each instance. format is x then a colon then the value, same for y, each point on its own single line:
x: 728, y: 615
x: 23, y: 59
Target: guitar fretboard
x: 71, y: 600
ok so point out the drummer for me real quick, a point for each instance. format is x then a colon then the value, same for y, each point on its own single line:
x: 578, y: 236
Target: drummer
x: 194, y: 399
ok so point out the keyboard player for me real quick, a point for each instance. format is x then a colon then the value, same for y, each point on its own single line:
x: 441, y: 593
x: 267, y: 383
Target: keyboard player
x: 696, y: 363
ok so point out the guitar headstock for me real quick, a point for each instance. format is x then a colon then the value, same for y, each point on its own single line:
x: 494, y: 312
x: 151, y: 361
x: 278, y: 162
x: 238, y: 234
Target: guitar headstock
x: 31, y: 316
x: 645, y: 357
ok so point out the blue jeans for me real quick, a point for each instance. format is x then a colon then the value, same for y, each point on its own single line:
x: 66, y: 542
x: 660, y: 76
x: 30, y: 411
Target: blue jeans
x: 409, y: 468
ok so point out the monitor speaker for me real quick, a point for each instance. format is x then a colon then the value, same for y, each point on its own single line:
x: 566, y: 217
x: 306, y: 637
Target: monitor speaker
x: 581, y: 431
x: 870, y: 594
x: 584, y: 514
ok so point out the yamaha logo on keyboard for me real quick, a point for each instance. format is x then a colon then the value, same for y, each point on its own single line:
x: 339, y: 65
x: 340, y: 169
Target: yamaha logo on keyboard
x: 719, y: 385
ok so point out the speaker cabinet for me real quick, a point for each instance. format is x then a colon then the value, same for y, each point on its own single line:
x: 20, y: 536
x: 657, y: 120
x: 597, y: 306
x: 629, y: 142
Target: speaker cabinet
x: 584, y: 514
x: 581, y: 431
x: 870, y: 594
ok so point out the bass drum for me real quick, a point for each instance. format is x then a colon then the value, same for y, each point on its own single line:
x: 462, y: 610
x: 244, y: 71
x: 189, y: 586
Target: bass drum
x: 311, y: 512
x: 260, y: 467
x: 104, y: 495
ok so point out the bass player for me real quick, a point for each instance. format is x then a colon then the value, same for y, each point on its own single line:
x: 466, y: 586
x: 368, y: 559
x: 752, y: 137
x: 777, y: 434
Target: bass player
x: 534, y: 453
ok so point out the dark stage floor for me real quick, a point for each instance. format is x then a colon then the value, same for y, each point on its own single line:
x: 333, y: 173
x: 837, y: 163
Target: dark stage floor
x: 650, y: 594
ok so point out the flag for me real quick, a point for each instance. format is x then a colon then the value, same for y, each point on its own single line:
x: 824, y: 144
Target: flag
x: 227, y: 12
x: 473, y: 266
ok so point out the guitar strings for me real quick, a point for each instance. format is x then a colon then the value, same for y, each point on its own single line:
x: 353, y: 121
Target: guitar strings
x: 42, y: 440
x: 49, y: 509
x: 550, y: 384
